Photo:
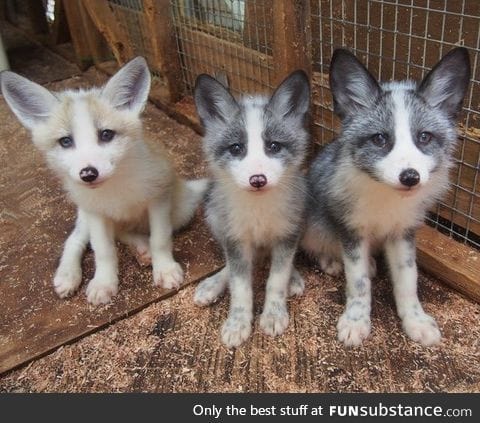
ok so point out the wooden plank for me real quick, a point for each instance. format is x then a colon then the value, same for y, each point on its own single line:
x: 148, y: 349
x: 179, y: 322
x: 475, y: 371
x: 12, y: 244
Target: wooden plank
x: 292, y: 44
x: 455, y: 264
x: 89, y: 45
x: 204, y: 53
x: 165, y: 56
x: 104, y: 19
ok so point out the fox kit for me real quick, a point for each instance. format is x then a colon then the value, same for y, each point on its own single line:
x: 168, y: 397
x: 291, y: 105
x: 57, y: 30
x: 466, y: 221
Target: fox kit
x: 254, y: 148
x: 371, y: 187
x: 123, y: 188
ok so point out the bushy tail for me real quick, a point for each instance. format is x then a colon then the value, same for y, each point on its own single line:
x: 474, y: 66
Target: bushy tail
x: 186, y: 198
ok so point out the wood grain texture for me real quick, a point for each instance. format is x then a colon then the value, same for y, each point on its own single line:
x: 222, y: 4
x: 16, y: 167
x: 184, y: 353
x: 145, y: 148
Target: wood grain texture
x: 454, y: 263
x: 116, y: 36
x: 164, y: 45
x: 292, y: 41
x: 174, y: 346
x: 89, y: 44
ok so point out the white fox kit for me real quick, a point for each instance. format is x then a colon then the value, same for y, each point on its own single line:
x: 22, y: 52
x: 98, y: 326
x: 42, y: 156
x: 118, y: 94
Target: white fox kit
x: 92, y: 139
x: 372, y: 186
x: 255, y: 148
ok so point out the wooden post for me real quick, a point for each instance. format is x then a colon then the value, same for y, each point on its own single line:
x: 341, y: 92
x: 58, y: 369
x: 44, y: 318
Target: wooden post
x: 292, y: 44
x: 37, y: 17
x: 165, y: 56
x: 89, y: 45
x: 106, y: 22
x: 59, y: 31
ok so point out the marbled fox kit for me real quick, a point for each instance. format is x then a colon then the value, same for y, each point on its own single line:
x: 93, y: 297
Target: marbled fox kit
x: 254, y: 148
x: 372, y: 186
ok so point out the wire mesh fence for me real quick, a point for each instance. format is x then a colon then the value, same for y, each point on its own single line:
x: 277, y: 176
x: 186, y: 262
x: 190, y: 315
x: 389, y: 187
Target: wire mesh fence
x: 396, y: 39
x: 404, y: 39
x: 225, y: 36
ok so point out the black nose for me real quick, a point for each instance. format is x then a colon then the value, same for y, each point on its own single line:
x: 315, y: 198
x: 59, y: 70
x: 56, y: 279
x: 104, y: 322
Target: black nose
x: 258, y: 181
x: 88, y: 174
x: 409, y: 177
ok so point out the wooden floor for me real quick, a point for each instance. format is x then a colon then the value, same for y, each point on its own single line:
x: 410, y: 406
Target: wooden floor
x: 147, y: 342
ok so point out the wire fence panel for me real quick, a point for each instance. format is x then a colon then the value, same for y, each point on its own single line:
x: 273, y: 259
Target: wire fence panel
x: 405, y: 39
x: 396, y: 39
x: 233, y: 37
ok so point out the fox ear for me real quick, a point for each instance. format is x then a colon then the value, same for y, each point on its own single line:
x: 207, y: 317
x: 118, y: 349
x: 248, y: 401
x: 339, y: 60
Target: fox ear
x: 129, y: 87
x: 292, y: 97
x: 353, y: 86
x: 214, y: 102
x: 30, y: 102
x: 446, y: 84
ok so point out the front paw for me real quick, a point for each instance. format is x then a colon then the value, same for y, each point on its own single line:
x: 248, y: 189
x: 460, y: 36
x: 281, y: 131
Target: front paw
x: 236, y: 329
x: 422, y: 328
x: 100, y: 291
x: 353, y: 329
x: 168, y: 275
x: 274, y: 320
x: 67, y: 281
x: 208, y: 291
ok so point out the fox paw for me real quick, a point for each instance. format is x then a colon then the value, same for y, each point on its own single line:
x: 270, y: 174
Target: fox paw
x: 143, y: 255
x: 353, y: 330
x: 100, y: 291
x: 66, y: 282
x: 422, y: 329
x: 274, y: 320
x: 168, y: 275
x: 208, y: 291
x: 236, y: 329
x: 296, y: 285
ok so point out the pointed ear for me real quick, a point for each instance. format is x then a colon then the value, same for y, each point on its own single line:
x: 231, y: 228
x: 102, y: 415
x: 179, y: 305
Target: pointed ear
x: 353, y: 86
x: 30, y: 102
x: 292, y: 96
x: 214, y: 102
x: 446, y: 84
x: 129, y: 87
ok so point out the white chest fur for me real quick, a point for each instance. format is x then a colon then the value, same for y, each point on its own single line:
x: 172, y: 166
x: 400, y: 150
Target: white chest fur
x: 256, y: 218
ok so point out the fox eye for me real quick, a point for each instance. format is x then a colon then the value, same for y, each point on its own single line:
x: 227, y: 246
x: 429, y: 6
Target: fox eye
x: 274, y: 147
x: 380, y: 140
x: 236, y: 149
x: 106, y: 135
x: 66, y: 142
x: 425, y: 138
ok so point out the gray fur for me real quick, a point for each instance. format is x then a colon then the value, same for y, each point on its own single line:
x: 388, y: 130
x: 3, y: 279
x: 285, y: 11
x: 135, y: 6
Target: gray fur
x: 283, y: 119
x: 366, y: 108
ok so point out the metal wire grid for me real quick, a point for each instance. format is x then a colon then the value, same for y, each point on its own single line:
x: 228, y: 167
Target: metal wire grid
x: 130, y: 14
x: 399, y: 39
x: 225, y: 36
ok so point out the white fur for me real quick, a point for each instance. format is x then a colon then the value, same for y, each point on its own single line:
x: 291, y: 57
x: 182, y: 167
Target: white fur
x: 256, y: 162
x: 405, y: 154
x: 136, y: 192
x: 247, y: 213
